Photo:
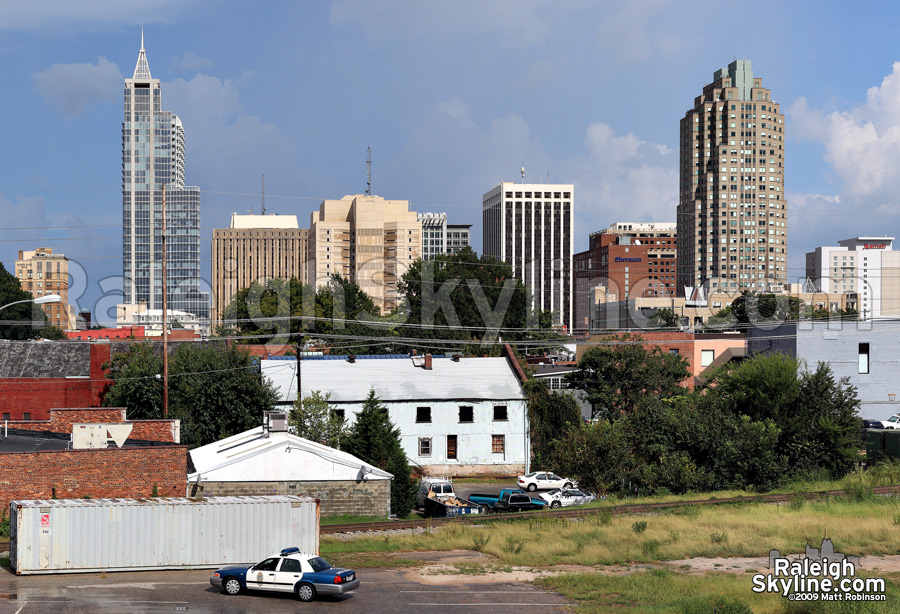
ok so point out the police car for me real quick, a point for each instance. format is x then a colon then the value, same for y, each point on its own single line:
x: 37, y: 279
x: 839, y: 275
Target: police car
x: 288, y: 571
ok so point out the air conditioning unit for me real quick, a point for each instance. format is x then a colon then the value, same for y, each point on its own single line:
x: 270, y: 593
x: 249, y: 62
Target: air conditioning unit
x: 276, y: 422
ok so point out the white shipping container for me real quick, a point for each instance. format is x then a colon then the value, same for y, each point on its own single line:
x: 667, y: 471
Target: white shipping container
x: 88, y: 535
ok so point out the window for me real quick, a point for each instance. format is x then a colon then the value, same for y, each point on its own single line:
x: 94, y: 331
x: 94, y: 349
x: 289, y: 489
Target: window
x: 267, y: 565
x: 707, y: 357
x: 424, y: 446
x: 5, y: 416
x: 451, y: 447
x: 863, y: 357
x: 27, y: 415
x: 291, y: 565
x: 500, y: 413
x: 423, y: 414
x: 466, y: 414
x: 339, y: 413
x: 673, y: 351
x: 498, y: 444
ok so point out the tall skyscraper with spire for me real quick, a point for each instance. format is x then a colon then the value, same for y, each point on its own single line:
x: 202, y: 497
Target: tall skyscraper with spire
x: 732, y: 212
x: 153, y: 155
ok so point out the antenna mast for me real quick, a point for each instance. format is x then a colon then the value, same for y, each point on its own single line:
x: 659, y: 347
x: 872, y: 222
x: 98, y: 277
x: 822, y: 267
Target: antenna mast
x: 369, y: 172
x: 523, y: 174
x: 263, y: 194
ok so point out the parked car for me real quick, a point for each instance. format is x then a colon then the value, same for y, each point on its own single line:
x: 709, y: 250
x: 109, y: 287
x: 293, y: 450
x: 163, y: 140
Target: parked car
x: 891, y: 423
x: 288, y: 571
x: 566, y: 497
x: 539, y: 480
x: 514, y: 502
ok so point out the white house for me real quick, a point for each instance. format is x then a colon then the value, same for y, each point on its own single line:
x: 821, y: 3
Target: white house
x: 457, y: 416
x: 271, y: 461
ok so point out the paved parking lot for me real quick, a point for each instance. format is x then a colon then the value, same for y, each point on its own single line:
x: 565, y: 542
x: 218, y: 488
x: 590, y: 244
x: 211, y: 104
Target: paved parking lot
x: 381, y: 591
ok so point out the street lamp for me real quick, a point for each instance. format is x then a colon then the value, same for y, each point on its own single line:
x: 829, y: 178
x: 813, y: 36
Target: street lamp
x: 41, y: 300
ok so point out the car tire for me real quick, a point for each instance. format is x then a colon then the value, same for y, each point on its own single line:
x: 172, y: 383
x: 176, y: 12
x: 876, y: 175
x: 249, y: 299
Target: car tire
x: 567, y: 485
x: 231, y: 586
x: 485, y: 509
x: 305, y: 591
x: 532, y: 487
x: 555, y: 505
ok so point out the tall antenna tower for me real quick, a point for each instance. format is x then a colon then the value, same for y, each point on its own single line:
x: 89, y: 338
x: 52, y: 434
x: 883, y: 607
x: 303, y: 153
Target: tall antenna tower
x: 263, y: 194
x: 523, y: 174
x: 369, y: 172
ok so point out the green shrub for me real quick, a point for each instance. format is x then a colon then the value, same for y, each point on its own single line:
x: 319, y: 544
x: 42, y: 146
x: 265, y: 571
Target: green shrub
x: 513, y: 545
x: 639, y: 527
x: 650, y: 547
x: 4, y: 527
x: 480, y: 541
x: 718, y: 538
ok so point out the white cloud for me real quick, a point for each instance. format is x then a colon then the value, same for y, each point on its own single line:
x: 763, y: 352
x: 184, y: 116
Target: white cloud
x: 91, y: 15
x: 450, y: 158
x: 191, y: 62
x: 862, y: 145
x: 69, y: 88
x: 518, y: 22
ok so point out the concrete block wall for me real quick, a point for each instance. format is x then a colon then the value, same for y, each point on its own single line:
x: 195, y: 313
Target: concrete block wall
x: 103, y: 473
x: 371, y: 498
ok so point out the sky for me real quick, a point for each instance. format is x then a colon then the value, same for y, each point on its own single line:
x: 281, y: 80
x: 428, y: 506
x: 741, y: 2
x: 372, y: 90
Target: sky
x: 452, y: 97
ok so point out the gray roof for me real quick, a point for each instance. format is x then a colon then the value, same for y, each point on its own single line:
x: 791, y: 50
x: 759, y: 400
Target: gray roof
x: 398, y: 380
x: 44, y: 359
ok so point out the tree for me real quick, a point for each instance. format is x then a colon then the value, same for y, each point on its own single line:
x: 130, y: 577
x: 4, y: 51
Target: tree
x: 215, y: 391
x: 664, y: 318
x: 313, y: 418
x: 53, y: 333
x: 27, y: 313
x: 374, y: 439
x: 596, y: 454
x: 618, y: 373
x: 550, y: 415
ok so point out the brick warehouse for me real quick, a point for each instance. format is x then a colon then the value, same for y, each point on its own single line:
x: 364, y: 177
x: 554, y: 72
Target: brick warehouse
x: 37, y: 377
x: 35, y: 462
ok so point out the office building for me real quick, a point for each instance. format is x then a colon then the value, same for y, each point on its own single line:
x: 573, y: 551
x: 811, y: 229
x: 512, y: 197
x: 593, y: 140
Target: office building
x: 439, y: 237
x: 153, y: 156
x: 42, y: 272
x: 629, y: 260
x: 369, y: 240
x: 732, y: 212
x: 255, y: 248
x: 865, y: 268
x: 529, y: 226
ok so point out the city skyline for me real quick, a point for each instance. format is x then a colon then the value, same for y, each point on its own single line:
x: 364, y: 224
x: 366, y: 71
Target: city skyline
x: 314, y: 86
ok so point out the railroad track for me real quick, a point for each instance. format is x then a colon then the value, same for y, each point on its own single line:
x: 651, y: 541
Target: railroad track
x: 584, y: 512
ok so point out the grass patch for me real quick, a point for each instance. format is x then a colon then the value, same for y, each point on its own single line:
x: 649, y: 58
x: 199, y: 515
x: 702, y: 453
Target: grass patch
x: 347, y: 519
x: 473, y: 569
x: 668, y: 592
x: 355, y: 560
x: 750, y: 530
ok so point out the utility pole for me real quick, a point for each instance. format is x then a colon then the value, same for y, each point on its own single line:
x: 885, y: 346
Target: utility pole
x: 165, y: 312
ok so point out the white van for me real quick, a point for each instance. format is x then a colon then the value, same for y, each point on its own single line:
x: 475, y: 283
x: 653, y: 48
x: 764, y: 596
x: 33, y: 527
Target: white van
x: 440, y: 488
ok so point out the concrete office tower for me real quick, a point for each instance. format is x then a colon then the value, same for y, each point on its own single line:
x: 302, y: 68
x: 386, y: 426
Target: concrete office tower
x: 867, y: 269
x: 439, y: 237
x: 529, y: 226
x: 369, y: 240
x: 153, y: 155
x: 42, y: 272
x: 732, y: 213
x: 255, y: 248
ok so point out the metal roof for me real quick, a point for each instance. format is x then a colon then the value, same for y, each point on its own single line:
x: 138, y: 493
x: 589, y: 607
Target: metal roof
x: 240, y: 458
x: 398, y: 380
x: 159, y: 501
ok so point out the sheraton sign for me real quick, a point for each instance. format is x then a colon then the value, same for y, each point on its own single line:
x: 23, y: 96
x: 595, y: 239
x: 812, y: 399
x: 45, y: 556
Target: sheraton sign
x: 875, y: 246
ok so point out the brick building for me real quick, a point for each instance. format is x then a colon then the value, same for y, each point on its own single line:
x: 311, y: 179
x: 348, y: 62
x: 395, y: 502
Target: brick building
x: 628, y: 260
x: 36, y: 462
x: 37, y: 377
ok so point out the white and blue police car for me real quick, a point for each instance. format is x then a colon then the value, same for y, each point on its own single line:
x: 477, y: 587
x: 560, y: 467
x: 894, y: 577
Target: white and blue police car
x: 288, y: 571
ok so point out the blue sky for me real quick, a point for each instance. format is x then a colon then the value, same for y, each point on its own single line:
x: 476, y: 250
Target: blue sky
x: 453, y: 97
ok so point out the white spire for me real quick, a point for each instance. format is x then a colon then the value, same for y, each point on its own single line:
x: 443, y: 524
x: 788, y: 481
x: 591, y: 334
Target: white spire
x: 142, y: 69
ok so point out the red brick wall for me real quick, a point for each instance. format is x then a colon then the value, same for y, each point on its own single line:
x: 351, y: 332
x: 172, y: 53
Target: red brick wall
x: 61, y: 421
x: 104, y: 473
x: 37, y: 396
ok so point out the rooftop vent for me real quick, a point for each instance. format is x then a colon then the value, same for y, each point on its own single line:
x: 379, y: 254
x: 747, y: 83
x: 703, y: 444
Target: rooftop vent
x: 455, y: 358
x: 351, y: 358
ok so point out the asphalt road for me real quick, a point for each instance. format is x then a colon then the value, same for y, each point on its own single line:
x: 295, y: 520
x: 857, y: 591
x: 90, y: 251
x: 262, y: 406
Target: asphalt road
x: 381, y: 591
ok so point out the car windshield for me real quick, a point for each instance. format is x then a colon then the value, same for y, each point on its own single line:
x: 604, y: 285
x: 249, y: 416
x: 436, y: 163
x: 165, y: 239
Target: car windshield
x: 553, y: 493
x: 319, y: 564
x: 531, y: 475
x: 894, y: 418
